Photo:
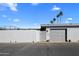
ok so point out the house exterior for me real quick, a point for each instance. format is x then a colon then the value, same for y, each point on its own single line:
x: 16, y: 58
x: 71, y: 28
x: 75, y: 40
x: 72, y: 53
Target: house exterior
x: 59, y: 32
x: 51, y: 32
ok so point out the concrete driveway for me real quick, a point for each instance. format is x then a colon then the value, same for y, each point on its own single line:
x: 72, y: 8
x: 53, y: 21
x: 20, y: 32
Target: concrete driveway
x: 39, y: 49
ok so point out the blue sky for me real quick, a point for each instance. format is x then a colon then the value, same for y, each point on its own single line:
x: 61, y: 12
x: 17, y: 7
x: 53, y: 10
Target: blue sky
x: 33, y: 14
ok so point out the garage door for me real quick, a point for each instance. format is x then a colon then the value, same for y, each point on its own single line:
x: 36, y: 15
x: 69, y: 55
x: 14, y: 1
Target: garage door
x: 73, y: 34
x: 57, y: 35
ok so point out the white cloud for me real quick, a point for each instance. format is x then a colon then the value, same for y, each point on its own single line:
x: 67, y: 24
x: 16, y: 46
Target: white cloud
x: 66, y: 21
x: 35, y: 25
x: 16, y: 20
x: 34, y: 4
x: 12, y: 6
x: 55, y: 8
x: 4, y: 16
x: 69, y: 19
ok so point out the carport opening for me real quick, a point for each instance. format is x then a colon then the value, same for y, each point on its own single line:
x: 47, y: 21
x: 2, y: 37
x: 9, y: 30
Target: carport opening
x: 43, y: 29
x: 66, y: 35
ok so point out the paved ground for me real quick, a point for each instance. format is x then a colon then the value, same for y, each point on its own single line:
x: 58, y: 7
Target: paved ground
x: 39, y: 49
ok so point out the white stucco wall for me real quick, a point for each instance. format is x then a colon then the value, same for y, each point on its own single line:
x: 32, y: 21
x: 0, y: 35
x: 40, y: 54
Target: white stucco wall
x: 19, y: 35
x: 73, y: 34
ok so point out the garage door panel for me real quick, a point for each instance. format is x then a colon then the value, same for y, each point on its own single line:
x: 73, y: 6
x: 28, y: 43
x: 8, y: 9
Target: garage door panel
x: 73, y: 34
x: 57, y: 35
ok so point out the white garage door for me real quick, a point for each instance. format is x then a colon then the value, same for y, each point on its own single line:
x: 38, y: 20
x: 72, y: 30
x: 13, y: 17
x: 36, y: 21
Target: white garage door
x: 73, y: 34
x: 57, y: 35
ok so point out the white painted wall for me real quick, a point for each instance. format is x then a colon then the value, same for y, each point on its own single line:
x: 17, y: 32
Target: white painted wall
x: 19, y: 35
x: 37, y: 36
x: 48, y: 34
x: 42, y: 36
x: 73, y: 34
